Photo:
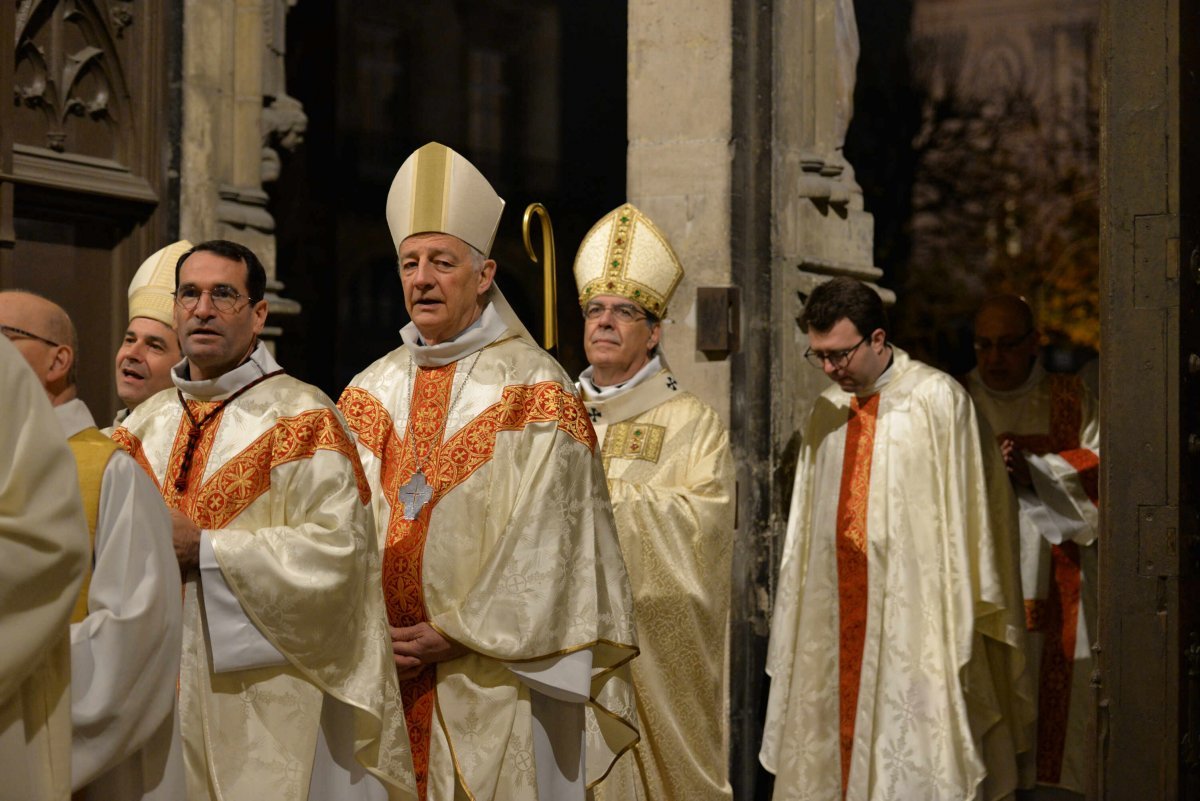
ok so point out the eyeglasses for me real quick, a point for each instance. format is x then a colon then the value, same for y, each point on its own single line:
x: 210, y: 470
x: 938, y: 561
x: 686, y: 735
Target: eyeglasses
x: 624, y: 312
x: 1002, y: 344
x: 224, y: 298
x: 12, y: 332
x: 836, y: 358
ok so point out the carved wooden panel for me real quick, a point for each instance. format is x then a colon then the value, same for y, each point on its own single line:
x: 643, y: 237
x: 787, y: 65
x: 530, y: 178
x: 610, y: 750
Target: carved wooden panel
x: 84, y: 147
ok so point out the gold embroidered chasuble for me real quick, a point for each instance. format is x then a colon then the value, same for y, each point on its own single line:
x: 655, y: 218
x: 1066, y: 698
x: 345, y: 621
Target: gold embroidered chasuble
x: 514, y: 556
x: 43, y: 550
x: 275, y: 480
x: 942, y: 697
x: 1055, y: 420
x: 670, y: 477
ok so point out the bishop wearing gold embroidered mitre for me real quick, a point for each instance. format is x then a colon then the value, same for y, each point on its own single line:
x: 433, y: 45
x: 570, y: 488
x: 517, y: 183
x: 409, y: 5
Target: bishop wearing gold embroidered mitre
x: 508, y: 601
x: 1048, y: 427
x: 286, y: 689
x: 670, y: 477
x: 895, y: 655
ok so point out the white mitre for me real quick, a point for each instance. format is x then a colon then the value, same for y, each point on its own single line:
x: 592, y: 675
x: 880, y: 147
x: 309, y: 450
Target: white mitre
x: 152, y: 290
x: 438, y: 191
x: 626, y: 255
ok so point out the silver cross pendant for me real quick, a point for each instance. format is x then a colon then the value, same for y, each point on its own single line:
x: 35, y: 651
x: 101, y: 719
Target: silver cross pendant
x: 415, y: 493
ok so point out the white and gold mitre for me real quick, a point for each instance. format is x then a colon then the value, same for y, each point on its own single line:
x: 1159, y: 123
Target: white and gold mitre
x: 152, y: 290
x: 625, y: 254
x: 437, y: 190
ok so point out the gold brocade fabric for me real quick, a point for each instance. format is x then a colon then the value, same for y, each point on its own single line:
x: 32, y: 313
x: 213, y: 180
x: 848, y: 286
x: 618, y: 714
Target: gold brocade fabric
x: 43, y: 549
x: 944, y: 697
x: 670, y: 476
x: 92, y: 451
x: 275, y: 480
x: 1056, y: 417
x: 520, y: 561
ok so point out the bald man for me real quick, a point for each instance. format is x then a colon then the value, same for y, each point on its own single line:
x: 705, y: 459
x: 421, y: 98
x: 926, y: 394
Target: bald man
x: 1047, y: 426
x: 126, y: 628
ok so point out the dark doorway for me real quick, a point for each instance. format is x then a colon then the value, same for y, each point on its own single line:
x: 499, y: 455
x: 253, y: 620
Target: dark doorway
x: 532, y: 93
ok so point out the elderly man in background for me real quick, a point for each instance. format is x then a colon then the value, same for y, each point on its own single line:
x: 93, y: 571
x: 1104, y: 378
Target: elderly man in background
x: 43, y: 553
x: 670, y: 477
x: 125, y: 630
x: 150, y: 347
x: 507, y: 597
x: 895, y: 651
x: 287, y: 690
x: 1048, y: 427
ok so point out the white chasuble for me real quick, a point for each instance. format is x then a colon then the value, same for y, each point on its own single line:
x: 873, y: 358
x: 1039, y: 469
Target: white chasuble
x: 1054, y: 420
x: 514, y: 556
x: 273, y: 479
x: 895, y: 651
x: 43, y: 554
x: 125, y: 650
x: 670, y: 477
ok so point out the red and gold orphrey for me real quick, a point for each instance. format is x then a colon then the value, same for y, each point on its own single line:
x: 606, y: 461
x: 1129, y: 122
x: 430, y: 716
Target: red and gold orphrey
x: 446, y: 463
x: 852, y: 565
x: 214, y: 502
x: 1057, y: 616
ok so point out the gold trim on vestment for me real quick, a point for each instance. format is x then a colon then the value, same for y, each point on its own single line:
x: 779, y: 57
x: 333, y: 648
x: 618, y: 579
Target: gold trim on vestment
x: 637, y: 738
x: 462, y: 781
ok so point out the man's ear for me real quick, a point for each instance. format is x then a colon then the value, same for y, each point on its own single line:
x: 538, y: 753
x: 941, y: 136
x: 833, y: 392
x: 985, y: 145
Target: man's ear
x: 655, y: 336
x: 878, y: 339
x: 260, y: 316
x: 487, y: 274
x: 60, y: 365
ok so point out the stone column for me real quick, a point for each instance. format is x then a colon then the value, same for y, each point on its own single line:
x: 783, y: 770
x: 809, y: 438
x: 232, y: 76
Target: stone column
x: 234, y: 106
x: 737, y: 116
x: 679, y: 167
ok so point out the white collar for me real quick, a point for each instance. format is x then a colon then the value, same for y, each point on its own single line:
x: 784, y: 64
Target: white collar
x: 481, y: 333
x: 1032, y: 380
x: 594, y: 392
x: 260, y: 363
x: 73, y: 416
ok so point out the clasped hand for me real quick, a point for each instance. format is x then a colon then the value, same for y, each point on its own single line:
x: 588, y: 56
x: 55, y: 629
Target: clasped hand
x: 414, y: 647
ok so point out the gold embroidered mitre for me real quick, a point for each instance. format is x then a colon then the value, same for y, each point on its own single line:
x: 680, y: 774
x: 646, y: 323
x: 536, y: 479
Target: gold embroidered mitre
x: 625, y: 254
x: 152, y: 290
x: 438, y: 191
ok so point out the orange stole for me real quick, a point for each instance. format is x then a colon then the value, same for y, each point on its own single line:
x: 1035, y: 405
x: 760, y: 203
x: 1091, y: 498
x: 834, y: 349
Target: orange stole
x: 1057, y: 617
x: 852, y: 564
x: 446, y: 464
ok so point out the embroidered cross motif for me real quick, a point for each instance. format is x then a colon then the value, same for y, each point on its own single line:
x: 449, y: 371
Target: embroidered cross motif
x: 672, y: 384
x: 415, y: 493
x: 594, y: 413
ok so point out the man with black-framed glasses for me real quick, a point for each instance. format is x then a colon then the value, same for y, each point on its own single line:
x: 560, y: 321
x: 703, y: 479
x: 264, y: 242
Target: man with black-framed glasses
x: 1048, y: 429
x: 895, y: 650
x: 286, y: 689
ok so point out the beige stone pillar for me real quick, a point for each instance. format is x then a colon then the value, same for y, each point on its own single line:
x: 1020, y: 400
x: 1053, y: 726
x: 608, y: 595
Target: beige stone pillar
x: 679, y: 164
x: 229, y: 50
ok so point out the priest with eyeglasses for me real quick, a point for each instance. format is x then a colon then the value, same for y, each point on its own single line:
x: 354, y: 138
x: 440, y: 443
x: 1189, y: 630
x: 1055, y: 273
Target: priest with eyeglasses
x: 670, y: 476
x: 286, y: 689
x: 895, y: 654
x: 507, y: 599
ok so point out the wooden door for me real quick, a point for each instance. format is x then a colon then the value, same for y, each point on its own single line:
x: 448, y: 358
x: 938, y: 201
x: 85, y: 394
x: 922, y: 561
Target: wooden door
x: 84, y: 162
x: 1148, y: 684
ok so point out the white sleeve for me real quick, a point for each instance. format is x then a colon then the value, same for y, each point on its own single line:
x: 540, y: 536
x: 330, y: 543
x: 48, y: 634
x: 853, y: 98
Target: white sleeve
x: 1068, y: 515
x: 125, y: 653
x: 233, y: 640
x: 558, y: 690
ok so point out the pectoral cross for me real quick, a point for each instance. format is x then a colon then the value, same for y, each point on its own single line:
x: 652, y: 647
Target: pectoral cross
x: 415, y: 493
